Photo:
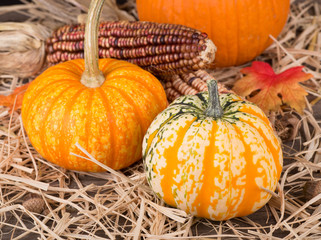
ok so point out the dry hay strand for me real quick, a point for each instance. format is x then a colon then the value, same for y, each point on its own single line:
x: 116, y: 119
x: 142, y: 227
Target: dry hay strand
x: 120, y: 204
x: 53, y: 14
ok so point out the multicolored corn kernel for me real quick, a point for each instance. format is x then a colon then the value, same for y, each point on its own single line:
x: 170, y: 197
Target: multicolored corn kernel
x: 161, y: 49
x: 188, y: 83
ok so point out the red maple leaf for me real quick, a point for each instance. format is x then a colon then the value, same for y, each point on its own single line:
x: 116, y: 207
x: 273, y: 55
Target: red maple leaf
x: 14, y: 100
x: 271, y: 90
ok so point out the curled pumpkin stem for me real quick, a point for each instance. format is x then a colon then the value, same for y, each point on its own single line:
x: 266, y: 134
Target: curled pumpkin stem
x: 92, y: 76
x: 214, y: 108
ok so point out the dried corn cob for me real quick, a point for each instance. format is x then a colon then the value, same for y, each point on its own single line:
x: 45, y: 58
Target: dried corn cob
x: 188, y: 84
x: 159, y: 48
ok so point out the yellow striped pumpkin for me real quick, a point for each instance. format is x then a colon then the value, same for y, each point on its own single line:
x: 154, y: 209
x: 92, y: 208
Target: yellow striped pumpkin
x: 212, y: 156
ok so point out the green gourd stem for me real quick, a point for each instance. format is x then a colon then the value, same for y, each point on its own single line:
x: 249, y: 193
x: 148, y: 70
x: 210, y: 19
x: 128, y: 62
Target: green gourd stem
x: 214, y: 108
x: 92, y: 76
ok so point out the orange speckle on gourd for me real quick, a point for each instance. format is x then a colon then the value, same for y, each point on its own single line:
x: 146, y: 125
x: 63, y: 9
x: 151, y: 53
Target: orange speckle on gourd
x: 172, y: 165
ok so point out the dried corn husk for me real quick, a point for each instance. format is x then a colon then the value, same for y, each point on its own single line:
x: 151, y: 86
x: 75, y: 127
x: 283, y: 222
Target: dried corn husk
x: 22, y: 48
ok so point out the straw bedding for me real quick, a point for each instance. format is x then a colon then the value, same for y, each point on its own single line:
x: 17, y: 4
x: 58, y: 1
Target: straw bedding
x: 119, y: 204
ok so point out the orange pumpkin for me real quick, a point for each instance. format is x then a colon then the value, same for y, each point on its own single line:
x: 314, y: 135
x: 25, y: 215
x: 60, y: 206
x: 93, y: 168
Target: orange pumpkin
x: 239, y: 29
x: 108, y: 121
x: 212, y: 156
x: 104, y: 106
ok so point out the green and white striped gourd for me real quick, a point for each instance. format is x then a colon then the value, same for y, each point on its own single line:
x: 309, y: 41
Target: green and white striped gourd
x: 212, y: 156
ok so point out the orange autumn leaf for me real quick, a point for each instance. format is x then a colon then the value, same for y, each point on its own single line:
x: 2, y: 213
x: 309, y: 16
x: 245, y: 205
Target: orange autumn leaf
x: 14, y: 100
x: 269, y: 90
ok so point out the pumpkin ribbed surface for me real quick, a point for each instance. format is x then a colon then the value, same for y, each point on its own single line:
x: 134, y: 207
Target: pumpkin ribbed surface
x: 108, y: 121
x: 239, y: 29
x: 213, y: 168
